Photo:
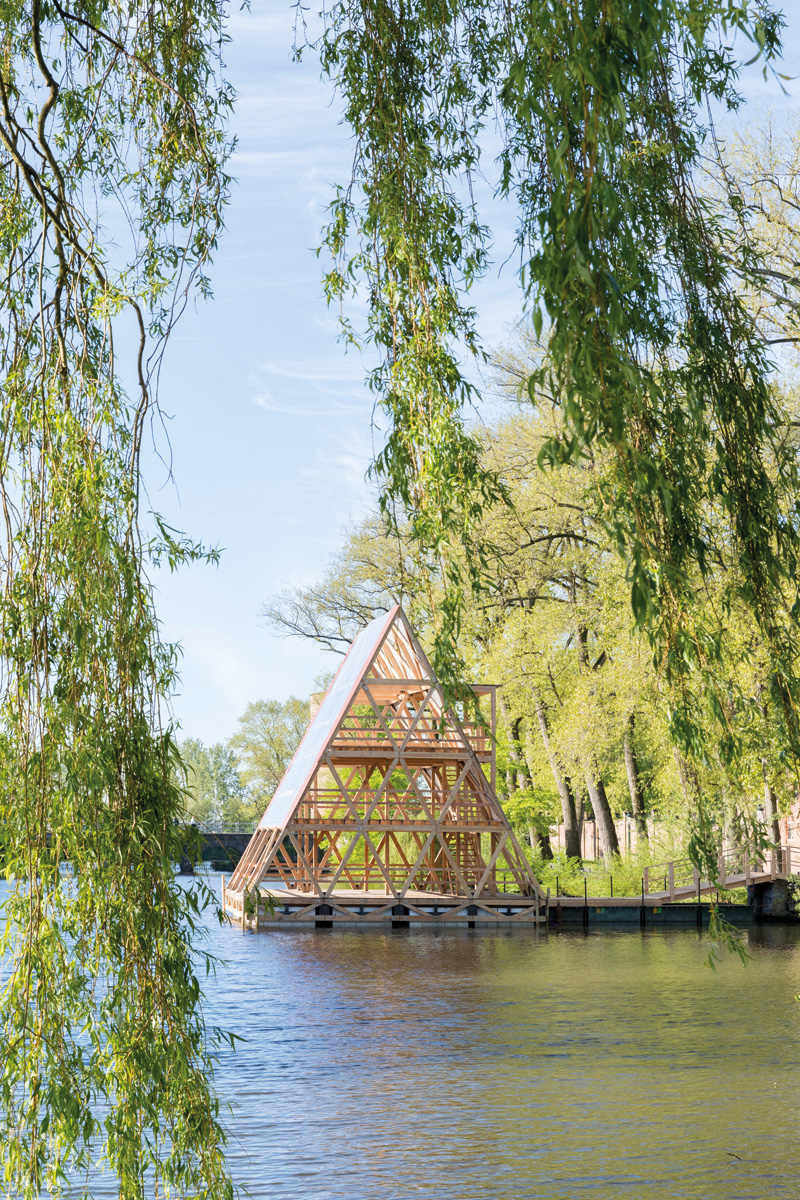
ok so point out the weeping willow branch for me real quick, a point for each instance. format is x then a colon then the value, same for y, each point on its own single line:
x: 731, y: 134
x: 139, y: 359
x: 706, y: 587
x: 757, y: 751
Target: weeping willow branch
x: 112, y: 188
x: 646, y: 346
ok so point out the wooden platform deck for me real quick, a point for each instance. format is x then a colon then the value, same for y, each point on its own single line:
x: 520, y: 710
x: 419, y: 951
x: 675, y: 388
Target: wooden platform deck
x: 350, y: 908
x: 671, y: 883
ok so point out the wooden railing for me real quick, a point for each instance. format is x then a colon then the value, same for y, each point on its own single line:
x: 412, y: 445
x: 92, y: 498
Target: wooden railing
x: 735, y: 868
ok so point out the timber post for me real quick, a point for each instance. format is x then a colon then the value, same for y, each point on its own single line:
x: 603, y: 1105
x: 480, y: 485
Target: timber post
x: 389, y: 785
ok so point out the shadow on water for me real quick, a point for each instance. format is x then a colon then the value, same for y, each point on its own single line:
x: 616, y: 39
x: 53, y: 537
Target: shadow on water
x: 461, y: 1066
x: 449, y: 1065
x: 775, y: 935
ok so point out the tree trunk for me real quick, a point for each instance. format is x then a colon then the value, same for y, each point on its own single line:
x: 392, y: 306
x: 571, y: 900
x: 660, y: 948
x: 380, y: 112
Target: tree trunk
x: 572, y: 841
x: 580, y: 809
x: 546, y: 846
x: 538, y: 841
x: 515, y: 750
x: 683, y: 775
x: 770, y: 807
x: 632, y: 767
x: 512, y: 729
x: 609, y: 844
x: 523, y: 782
x: 604, y: 819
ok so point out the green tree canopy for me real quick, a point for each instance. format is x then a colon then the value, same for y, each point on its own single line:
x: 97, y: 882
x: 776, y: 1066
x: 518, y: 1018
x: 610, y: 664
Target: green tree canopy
x: 268, y: 735
x: 647, y: 346
x: 213, y: 781
x: 583, y: 708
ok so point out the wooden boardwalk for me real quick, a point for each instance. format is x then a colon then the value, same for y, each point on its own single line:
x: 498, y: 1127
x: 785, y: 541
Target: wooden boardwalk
x: 676, y: 881
x: 673, y: 882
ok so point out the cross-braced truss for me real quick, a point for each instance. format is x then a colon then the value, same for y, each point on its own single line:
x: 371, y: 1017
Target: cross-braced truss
x: 387, y: 793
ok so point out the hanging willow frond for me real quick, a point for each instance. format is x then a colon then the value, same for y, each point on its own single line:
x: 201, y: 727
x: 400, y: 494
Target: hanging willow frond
x: 112, y: 188
x: 645, y: 342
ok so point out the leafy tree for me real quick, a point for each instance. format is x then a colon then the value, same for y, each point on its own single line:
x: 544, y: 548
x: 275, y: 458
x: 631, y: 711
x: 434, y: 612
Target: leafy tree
x: 647, y: 345
x: 112, y: 124
x: 760, y: 172
x: 558, y: 633
x: 583, y: 712
x: 213, y: 781
x: 269, y: 733
x: 372, y: 574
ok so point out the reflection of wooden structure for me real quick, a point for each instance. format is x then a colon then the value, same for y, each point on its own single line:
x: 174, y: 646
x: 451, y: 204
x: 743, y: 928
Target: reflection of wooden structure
x: 386, y: 811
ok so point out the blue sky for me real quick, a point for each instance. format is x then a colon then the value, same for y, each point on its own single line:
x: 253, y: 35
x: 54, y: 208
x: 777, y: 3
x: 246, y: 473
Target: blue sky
x: 270, y: 425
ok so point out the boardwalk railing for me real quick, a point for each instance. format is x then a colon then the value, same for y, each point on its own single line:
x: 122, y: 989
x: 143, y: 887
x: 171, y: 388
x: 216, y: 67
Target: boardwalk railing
x: 735, y: 868
x: 679, y: 881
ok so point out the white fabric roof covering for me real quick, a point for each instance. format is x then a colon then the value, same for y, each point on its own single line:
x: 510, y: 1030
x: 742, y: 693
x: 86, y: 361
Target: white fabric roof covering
x: 335, y: 704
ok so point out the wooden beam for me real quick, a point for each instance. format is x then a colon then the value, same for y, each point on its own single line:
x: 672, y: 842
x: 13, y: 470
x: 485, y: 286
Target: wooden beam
x: 437, y: 821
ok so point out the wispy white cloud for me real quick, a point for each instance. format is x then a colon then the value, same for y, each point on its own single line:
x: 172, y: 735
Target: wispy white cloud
x: 250, y: 25
x: 332, y: 370
x: 335, y: 411
x: 281, y: 161
x: 343, y: 460
x: 335, y: 469
x: 253, y: 23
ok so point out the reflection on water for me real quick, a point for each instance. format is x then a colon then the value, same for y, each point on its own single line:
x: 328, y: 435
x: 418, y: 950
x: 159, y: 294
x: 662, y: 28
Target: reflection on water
x: 457, y: 1065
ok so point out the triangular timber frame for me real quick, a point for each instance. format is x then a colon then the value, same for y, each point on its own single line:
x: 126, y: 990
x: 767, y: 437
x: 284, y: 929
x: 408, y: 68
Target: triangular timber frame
x: 386, y: 794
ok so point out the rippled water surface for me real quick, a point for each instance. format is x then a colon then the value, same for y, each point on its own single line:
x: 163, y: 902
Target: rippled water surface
x: 469, y: 1066
x: 476, y: 1066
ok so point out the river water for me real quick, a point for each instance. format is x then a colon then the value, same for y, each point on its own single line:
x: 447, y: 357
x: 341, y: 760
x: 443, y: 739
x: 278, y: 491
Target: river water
x: 458, y: 1065
x: 475, y: 1066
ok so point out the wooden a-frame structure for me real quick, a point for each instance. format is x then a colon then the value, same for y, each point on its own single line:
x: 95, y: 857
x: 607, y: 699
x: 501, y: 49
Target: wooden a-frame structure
x: 387, y: 795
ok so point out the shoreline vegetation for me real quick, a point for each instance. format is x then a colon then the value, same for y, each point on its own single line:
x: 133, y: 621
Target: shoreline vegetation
x: 620, y: 553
